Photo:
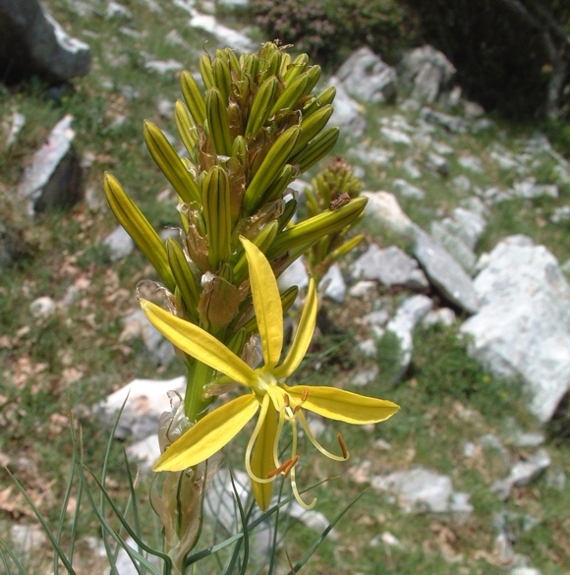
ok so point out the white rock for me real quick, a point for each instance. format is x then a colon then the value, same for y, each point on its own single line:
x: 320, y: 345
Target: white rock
x: 461, y: 183
x: 333, y: 284
x: 144, y: 400
x: 409, y: 314
x: 411, y: 169
x: 471, y: 163
x: 437, y: 163
x: 530, y: 189
x: 226, y: 36
x: 43, y: 307
x: 365, y: 377
x: 46, y: 160
x: 395, y: 136
x: 367, y: 77
x: 145, y: 452
x: 368, y: 348
x: 116, y: 10
x: 390, y: 266
x: 347, y: 113
x: 373, y: 155
x: 444, y: 232
x: 444, y: 272
x: 361, y: 288
x: 524, y: 472
x: 164, y: 66
x: 523, y: 326
x: 383, y: 208
x: 119, y: 243
x: 422, y: 487
x: 408, y: 190
x: 443, y: 316
x: 295, y: 275
x: 18, y: 122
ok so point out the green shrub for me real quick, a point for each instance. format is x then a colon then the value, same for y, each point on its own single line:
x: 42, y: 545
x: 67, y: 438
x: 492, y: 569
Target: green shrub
x: 329, y: 29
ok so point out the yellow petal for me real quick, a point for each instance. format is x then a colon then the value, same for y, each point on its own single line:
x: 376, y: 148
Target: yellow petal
x: 303, y: 336
x: 262, y: 459
x: 209, y: 434
x: 342, y: 405
x: 199, y: 344
x: 266, y: 302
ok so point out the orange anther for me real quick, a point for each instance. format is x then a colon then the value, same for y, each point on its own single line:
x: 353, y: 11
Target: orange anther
x: 279, y: 469
x: 291, y: 464
x: 342, y: 445
x: 305, y: 395
x: 297, y: 408
x: 286, y: 400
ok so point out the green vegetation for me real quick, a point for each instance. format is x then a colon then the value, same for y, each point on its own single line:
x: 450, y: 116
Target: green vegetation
x: 74, y: 358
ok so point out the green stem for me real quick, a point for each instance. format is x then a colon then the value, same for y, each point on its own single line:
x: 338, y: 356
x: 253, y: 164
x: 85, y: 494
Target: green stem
x: 199, y: 375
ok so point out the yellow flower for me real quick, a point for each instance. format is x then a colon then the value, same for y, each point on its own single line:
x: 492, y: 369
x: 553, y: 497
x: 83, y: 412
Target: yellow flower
x: 276, y: 402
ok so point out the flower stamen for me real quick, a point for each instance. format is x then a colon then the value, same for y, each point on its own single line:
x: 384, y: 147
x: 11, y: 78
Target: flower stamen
x: 286, y: 465
x: 290, y: 464
x: 342, y: 444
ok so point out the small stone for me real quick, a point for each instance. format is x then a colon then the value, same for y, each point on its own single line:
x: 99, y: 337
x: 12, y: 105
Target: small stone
x: 555, y: 478
x: 145, y: 452
x: 383, y: 208
x: 382, y: 445
x: 396, y: 136
x: 437, y: 163
x: 379, y: 317
x: 471, y: 163
x: 43, y: 307
x: 524, y: 472
x: 163, y: 67
x: 529, y: 189
x: 411, y: 169
x: 390, y: 266
x: 462, y: 184
x: 365, y: 377
x: 333, y: 284
x: 443, y: 316
x: 362, y: 288
x: 442, y: 148
x: 226, y: 36
x: 120, y: 244
x: 295, y: 275
x: 165, y: 108
x: 408, y: 190
x: 378, y: 156
x: 368, y: 348
x: 18, y: 122
x: 116, y: 10
x: 347, y: 113
x: 451, y: 123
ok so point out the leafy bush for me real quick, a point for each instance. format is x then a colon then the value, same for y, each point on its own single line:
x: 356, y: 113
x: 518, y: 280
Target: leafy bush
x: 329, y: 29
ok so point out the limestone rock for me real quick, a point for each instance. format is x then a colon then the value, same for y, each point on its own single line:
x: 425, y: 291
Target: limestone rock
x: 444, y: 272
x: 409, y: 314
x: 32, y: 43
x: 421, y: 487
x: 408, y: 190
x: 367, y: 78
x: 429, y: 71
x: 347, y: 113
x: 383, y: 209
x: 523, y: 326
x: 53, y: 180
x: 390, y: 266
x: 119, y: 242
x: 144, y: 401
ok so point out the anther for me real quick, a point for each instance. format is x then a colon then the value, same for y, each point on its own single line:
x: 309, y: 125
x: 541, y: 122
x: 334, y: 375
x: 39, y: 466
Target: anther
x: 279, y: 469
x: 305, y: 395
x: 286, y: 400
x: 342, y: 445
x: 297, y: 408
x: 290, y: 465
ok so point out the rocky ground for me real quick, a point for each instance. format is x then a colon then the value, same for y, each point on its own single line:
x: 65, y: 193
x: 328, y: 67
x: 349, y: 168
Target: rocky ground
x: 456, y: 305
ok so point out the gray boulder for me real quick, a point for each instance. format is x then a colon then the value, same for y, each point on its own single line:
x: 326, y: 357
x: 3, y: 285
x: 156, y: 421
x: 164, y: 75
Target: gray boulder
x: 366, y: 77
x: 390, y: 266
x: 54, y: 179
x: 428, y: 71
x: 347, y: 112
x: 444, y: 272
x: 523, y: 326
x: 32, y: 43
